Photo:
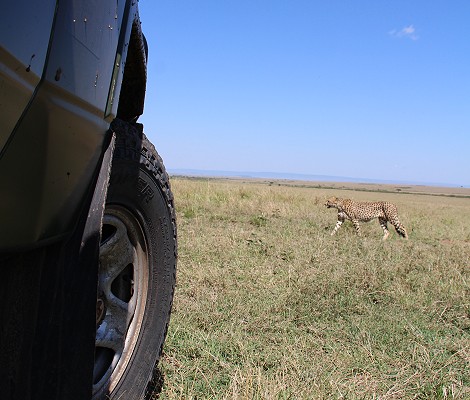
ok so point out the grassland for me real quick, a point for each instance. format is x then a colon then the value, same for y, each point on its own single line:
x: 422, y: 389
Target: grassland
x: 270, y: 306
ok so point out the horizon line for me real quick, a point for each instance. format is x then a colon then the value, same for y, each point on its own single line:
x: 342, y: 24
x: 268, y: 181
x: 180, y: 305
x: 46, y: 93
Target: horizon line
x: 301, y: 176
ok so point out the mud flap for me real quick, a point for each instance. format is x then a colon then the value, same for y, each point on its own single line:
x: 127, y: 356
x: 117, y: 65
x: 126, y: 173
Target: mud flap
x: 48, y: 308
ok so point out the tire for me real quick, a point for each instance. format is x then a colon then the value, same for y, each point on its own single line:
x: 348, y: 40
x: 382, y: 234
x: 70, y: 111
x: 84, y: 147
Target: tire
x: 137, y: 270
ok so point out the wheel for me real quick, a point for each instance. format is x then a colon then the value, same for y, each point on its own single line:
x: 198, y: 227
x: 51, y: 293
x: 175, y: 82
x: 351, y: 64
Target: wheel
x: 137, y: 269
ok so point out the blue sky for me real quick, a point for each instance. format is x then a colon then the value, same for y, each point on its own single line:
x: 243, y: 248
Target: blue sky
x: 365, y: 89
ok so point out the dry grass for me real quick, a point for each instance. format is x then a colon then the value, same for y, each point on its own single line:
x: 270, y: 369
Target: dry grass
x: 269, y: 306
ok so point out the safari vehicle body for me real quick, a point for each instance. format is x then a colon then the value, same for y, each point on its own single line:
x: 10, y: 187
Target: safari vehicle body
x: 83, y: 309
x: 61, y: 80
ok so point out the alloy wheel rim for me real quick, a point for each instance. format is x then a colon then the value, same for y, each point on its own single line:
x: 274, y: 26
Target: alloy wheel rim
x: 122, y: 295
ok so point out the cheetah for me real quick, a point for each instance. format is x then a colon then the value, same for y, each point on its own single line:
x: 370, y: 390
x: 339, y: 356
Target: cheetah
x: 357, y: 211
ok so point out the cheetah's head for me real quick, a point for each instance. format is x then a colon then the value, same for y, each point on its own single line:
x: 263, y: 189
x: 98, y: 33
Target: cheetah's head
x: 333, y: 202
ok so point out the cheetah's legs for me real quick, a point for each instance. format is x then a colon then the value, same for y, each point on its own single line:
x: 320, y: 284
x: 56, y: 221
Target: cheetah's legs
x: 401, y: 230
x: 340, y: 221
x: 338, y: 224
x: 383, y: 224
x: 392, y: 217
x: 357, y: 226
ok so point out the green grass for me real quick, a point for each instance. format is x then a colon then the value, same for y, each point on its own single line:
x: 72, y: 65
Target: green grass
x: 269, y: 306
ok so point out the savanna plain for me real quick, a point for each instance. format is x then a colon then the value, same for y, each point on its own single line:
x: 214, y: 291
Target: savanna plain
x: 268, y: 305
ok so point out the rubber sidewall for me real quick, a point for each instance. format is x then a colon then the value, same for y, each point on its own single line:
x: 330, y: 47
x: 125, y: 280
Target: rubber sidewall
x: 140, y: 184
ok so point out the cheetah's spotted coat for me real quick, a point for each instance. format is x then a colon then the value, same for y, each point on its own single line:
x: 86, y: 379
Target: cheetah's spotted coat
x: 365, y: 211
